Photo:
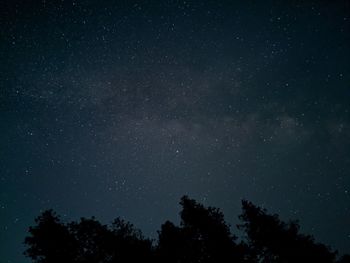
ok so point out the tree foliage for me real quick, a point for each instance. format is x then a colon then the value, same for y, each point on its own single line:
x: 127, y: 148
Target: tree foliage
x: 271, y: 240
x: 202, y: 236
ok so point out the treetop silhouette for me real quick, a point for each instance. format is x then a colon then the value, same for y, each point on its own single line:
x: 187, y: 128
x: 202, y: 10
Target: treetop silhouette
x: 202, y: 236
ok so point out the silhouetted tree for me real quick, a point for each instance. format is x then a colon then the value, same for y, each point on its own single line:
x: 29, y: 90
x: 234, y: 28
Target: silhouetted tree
x: 202, y: 236
x: 344, y: 259
x: 50, y: 240
x: 86, y: 241
x: 129, y: 245
x: 271, y: 240
x: 93, y: 240
x: 172, y: 245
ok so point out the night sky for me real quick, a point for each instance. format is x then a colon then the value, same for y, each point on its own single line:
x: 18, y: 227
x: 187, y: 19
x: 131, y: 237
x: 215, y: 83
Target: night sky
x: 118, y: 108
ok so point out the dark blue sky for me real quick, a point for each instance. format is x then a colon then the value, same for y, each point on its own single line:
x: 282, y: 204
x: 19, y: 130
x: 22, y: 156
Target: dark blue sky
x: 118, y: 108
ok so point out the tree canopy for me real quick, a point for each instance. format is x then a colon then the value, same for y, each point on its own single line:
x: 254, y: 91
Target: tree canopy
x: 202, y: 236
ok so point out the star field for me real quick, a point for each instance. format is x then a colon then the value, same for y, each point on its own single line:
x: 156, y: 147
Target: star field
x: 118, y: 108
